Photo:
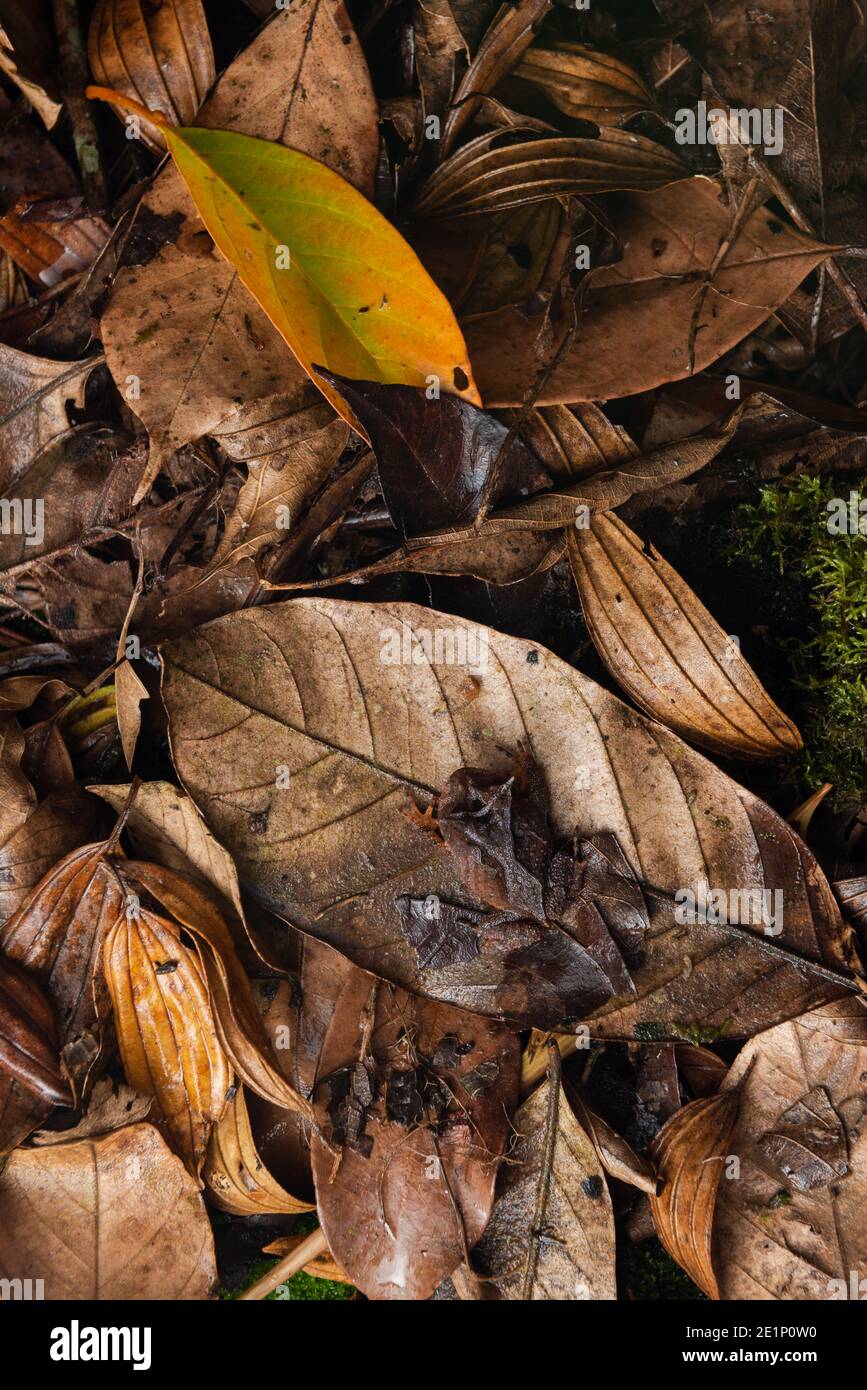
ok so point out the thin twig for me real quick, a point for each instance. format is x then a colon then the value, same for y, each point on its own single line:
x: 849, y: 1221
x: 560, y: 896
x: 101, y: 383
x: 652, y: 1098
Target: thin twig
x: 314, y: 1245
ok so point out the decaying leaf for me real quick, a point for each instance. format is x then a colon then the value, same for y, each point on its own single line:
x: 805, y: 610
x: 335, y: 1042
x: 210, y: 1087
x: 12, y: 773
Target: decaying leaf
x: 638, y: 319
x: 690, y: 1153
x: 370, y: 718
x: 413, y: 1099
x: 506, y: 169
x: 551, y: 1233
x: 109, y: 1218
x: 791, y: 1227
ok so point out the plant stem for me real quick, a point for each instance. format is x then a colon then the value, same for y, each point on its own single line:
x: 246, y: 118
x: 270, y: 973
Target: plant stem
x: 74, y: 77
x: 314, y: 1245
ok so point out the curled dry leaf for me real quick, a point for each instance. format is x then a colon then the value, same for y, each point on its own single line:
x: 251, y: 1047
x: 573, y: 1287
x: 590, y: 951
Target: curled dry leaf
x: 369, y: 734
x: 507, y: 39
x: 58, y: 934
x: 20, y: 1113
x: 165, y: 1031
x: 415, y: 1097
x: 792, y: 1226
x: 585, y: 83
x: 638, y: 319
x: 35, y: 844
x: 663, y: 647
x: 109, y: 1218
x: 690, y: 1152
x: 551, y: 1233
x: 617, y: 1157
x: 236, y: 1016
x: 161, y: 55
x: 234, y: 1174
x: 506, y: 169
x: 166, y: 827
x: 183, y: 323
x: 28, y: 1037
x: 702, y: 1070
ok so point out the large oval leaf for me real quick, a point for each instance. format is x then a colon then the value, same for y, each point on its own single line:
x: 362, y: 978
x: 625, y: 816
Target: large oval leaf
x: 301, y: 741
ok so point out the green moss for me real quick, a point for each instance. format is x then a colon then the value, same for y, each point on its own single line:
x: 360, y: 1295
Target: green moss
x: 826, y: 570
x: 646, y: 1272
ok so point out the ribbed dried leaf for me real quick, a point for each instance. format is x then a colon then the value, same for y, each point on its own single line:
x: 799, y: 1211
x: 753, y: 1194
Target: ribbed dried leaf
x: 508, y: 38
x: 161, y: 55
x: 587, y: 84
x: 58, y: 934
x: 506, y: 169
x: 663, y: 647
x: 165, y: 1031
x: 235, y: 1175
x: 690, y: 1153
x: 236, y: 1017
x: 115, y: 1218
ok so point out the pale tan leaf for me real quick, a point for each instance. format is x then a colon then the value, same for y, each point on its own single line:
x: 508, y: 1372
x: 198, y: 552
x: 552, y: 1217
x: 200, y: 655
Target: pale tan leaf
x: 551, y: 1233
x: 115, y: 1218
x: 663, y: 647
x: 792, y: 1227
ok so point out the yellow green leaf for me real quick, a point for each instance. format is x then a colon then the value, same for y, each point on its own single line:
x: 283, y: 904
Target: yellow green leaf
x: 334, y: 276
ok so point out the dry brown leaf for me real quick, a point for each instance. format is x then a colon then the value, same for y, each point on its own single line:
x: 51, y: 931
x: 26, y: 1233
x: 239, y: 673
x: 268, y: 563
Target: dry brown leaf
x: 415, y: 1097
x: 506, y: 169
x: 111, y: 1106
x: 703, y: 1071
x: 791, y: 1227
x: 34, y: 392
x: 161, y: 55
x: 238, y: 1024
x: 183, y: 324
x: 690, y: 1152
x: 635, y: 331
x: 663, y: 647
x: 34, y: 845
x: 129, y: 692
x: 28, y: 1036
x: 302, y: 686
x: 58, y: 933
x: 505, y: 42
x: 234, y: 1173
x: 586, y: 84
x: 115, y: 1218
x: 289, y: 446
x: 551, y: 1233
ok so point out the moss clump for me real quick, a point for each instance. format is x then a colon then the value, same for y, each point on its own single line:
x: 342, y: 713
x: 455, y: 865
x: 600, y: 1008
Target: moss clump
x: 647, y: 1272
x: 795, y: 525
